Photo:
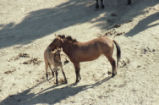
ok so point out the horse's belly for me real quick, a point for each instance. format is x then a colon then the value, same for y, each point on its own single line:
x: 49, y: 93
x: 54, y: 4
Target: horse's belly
x: 88, y: 57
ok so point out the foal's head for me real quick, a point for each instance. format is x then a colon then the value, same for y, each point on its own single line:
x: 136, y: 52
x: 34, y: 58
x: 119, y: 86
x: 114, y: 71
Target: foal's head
x: 61, y: 41
x: 56, y: 55
x: 56, y: 43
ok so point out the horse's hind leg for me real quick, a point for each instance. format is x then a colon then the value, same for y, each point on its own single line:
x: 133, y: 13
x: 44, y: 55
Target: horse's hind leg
x: 102, y: 5
x: 113, y: 64
x: 77, y: 71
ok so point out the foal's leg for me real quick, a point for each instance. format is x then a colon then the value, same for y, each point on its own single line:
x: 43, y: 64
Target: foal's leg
x: 56, y: 72
x: 102, y: 5
x: 46, y: 68
x: 63, y: 74
x: 77, y: 71
x: 52, y: 71
x: 97, y: 5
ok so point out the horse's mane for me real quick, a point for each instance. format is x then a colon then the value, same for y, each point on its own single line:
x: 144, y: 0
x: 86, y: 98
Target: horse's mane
x: 71, y: 39
x: 68, y: 38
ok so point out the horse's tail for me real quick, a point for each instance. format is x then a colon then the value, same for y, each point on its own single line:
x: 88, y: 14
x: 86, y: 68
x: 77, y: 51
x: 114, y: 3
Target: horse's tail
x: 118, y: 51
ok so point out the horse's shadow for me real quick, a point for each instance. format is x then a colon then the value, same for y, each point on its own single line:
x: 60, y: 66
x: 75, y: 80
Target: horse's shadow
x: 43, y: 22
x: 49, y: 96
x: 144, y: 24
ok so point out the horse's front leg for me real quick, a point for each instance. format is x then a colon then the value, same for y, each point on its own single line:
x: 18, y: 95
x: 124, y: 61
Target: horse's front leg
x: 77, y: 71
x: 97, y: 5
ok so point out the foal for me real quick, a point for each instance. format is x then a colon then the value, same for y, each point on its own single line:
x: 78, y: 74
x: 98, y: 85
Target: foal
x: 87, y: 51
x: 53, y: 58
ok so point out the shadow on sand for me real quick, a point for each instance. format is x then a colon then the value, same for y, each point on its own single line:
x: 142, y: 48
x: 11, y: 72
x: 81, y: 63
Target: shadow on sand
x: 144, y: 24
x: 138, y: 9
x: 43, y: 22
x: 49, y: 96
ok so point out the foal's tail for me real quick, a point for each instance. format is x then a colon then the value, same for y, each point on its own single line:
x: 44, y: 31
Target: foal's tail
x: 118, y: 51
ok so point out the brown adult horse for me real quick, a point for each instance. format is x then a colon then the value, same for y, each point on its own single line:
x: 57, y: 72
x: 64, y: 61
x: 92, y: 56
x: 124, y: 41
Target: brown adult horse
x: 87, y: 51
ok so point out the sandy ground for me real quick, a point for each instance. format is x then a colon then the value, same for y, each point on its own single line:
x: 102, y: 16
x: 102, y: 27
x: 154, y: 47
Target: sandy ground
x: 28, y: 26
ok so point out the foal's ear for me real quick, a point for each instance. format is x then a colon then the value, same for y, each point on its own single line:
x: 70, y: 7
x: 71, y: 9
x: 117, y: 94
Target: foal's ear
x: 61, y: 36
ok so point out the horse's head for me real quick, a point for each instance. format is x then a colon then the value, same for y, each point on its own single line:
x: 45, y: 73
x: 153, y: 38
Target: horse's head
x: 56, y: 43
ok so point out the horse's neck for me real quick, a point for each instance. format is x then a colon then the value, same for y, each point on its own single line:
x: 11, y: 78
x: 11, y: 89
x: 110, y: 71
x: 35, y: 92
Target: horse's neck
x: 68, y: 48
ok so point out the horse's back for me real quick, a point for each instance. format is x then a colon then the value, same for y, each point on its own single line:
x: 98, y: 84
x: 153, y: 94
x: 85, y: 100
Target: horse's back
x: 106, y: 44
x: 90, y: 50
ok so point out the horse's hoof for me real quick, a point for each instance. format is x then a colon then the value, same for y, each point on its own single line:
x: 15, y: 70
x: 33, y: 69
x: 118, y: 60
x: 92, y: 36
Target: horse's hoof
x: 113, y: 74
x: 77, y: 81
